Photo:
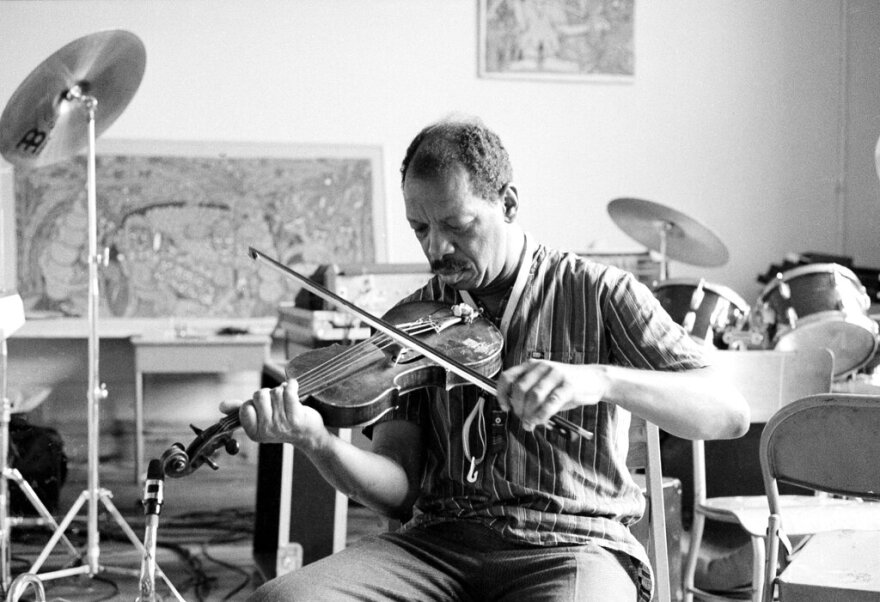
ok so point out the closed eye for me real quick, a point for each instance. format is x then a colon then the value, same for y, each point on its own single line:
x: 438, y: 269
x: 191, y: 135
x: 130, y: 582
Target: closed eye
x: 421, y: 230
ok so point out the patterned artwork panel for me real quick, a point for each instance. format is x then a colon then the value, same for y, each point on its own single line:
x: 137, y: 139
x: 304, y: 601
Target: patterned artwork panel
x: 177, y: 230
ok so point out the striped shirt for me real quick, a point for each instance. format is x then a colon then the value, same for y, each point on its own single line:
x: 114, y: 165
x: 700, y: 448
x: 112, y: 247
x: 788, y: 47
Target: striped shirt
x: 539, y: 487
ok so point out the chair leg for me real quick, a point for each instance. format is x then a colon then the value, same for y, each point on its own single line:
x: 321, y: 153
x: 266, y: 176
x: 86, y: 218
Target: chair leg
x: 693, y: 554
x: 758, y: 560
x: 771, y: 559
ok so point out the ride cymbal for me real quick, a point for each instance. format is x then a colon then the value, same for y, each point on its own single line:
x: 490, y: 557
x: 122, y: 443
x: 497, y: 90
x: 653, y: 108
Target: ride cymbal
x: 44, y: 120
x: 687, y: 240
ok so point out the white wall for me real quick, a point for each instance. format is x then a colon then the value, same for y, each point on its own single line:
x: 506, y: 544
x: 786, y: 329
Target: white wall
x: 736, y: 116
x: 756, y: 118
x: 862, y: 126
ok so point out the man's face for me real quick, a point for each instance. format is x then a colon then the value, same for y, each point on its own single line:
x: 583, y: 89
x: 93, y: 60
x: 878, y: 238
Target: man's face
x: 463, y: 236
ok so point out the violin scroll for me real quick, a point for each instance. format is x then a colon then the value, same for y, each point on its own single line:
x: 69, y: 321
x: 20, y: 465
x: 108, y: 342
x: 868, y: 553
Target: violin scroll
x: 179, y: 461
x: 175, y: 461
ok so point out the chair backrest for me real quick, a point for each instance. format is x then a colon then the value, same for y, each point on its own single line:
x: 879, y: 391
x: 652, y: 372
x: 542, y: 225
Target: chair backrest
x: 644, y: 453
x: 827, y: 443
x: 768, y: 380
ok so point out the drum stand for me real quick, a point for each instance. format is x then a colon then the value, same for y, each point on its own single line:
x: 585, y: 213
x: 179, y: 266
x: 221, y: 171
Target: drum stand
x: 94, y: 493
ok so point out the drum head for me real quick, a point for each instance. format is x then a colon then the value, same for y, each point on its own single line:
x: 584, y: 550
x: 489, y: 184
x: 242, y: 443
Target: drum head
x: 851, y: 339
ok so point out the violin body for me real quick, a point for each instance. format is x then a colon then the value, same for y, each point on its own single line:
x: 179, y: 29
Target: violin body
x: 354, y: 385
x: 369, y: 385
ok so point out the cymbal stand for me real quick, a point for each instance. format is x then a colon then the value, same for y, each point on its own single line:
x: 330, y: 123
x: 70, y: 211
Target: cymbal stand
x: 663, y: 229
x: 97, y: 391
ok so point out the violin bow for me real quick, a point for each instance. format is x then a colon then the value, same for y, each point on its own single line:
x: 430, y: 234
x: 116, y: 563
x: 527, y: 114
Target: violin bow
x: 405, y: 339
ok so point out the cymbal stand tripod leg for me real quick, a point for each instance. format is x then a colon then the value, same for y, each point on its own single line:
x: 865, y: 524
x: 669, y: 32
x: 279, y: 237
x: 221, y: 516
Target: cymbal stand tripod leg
x: 96, y: 392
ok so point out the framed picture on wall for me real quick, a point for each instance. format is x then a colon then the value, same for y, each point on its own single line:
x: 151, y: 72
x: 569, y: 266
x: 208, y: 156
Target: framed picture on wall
x: 578, y: 40
x: 177, y: 219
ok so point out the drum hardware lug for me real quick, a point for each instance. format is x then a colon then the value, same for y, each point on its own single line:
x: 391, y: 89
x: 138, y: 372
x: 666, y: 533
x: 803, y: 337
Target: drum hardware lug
x: 738, y: 339
x: 688, y: 321
x: 792, y: 316
x: 698, y: 296
x: 784, y: 289
x: 767, y: 315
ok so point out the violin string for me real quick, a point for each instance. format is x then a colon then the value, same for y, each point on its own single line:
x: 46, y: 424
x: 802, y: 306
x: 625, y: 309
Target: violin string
x: 331, y: 370
x: 361, y: 350
x: 326, y: 374
x: 334, y: 370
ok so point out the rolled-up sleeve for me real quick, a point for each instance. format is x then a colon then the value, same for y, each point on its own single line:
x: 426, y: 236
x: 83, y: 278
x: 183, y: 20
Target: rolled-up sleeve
x: 642, y: 334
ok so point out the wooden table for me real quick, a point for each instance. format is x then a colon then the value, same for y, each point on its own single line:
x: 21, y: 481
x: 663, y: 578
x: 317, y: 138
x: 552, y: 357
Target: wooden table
x: 190, y: 355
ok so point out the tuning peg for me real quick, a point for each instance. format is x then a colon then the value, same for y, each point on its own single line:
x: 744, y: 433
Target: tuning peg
x: 196, y: 429
x: 232, y: 446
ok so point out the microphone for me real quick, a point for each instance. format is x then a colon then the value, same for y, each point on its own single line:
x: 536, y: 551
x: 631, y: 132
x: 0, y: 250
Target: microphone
x: 154, y: 497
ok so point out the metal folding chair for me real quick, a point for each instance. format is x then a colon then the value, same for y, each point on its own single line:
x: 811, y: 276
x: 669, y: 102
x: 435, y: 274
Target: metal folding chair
x: 828, y: 443
x: 768, y: 380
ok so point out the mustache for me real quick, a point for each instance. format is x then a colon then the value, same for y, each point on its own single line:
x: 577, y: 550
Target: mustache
x: 447, y: 264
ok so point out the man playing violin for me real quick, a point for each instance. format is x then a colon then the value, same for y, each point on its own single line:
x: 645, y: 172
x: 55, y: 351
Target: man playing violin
x: 499, y: 504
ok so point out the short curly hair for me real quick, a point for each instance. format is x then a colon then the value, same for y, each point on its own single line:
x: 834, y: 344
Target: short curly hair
x: 469, y: 143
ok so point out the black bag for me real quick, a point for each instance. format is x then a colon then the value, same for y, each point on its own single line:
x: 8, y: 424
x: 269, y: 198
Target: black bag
x: 38, y: 454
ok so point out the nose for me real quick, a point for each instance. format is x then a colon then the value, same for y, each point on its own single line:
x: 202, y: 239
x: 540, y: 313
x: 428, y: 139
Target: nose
x: 437, y: 245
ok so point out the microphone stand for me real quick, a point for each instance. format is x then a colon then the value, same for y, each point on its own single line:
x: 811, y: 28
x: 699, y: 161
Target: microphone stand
x: 154, y: 497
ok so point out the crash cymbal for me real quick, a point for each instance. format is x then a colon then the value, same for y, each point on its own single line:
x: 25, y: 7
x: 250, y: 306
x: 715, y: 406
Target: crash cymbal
x: 46, y: 121
x: 687, y: 240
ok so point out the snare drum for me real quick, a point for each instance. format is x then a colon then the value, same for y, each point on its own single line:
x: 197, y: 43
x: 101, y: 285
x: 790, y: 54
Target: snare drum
x: 705, y: 310
x: 818, y: 305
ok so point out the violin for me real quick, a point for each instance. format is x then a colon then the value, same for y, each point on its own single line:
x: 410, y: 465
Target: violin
x: 355, y: 385
x: 360, y: 395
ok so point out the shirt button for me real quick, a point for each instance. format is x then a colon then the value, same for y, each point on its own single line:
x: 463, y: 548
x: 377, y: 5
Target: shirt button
x: 498, y: 420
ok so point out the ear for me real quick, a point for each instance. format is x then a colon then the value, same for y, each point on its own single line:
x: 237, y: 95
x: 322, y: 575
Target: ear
x: 510, y: 199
